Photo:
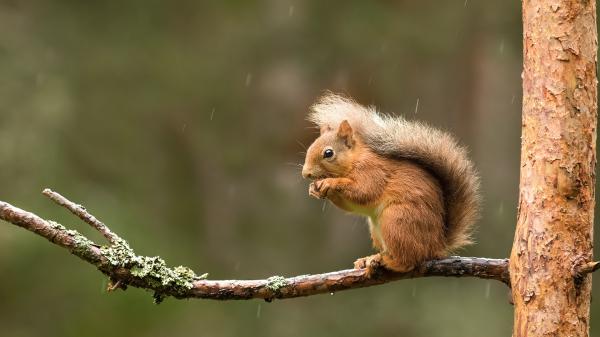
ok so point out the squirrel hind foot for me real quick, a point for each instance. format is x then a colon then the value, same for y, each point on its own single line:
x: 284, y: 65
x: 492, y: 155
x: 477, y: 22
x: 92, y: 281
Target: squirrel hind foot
x: 377, y: 263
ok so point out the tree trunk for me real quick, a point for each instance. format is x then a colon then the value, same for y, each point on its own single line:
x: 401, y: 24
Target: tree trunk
x: 556, y: 201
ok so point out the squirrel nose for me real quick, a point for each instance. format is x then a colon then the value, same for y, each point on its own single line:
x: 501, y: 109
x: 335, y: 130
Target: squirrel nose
x: 305, y: 173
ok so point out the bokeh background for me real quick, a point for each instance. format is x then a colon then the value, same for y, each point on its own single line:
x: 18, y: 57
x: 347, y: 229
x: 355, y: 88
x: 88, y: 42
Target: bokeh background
x: 181, y: 124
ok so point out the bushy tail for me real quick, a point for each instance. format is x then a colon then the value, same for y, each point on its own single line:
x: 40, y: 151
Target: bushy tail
x: 438, y: 151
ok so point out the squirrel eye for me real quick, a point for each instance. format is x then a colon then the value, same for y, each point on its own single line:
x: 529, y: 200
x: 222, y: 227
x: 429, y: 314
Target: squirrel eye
x: 328, y: 153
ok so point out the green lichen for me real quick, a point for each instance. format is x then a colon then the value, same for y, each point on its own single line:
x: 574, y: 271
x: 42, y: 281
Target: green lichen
x: 119, y: 254
x: 275, y: 283
x: 152, y: 270
x: 56, y: 225
x: 81, y: 244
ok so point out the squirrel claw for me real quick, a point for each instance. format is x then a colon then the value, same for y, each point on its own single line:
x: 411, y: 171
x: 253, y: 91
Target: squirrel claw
x: 313, y: 191
x: 360, y: 263
x: 318, y: 189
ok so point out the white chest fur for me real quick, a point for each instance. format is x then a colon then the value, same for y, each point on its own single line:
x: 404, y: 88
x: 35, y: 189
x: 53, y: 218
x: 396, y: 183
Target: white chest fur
x: 372, y: 213
x: 375, y: 228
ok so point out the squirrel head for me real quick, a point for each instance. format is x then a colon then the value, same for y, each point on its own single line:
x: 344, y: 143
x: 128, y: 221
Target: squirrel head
x: 331, y: 154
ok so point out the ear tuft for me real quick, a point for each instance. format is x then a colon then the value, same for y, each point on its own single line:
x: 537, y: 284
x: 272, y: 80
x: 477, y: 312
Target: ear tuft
x: 345, y: 132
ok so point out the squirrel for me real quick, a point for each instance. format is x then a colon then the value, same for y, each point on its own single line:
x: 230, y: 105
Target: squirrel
x: 414, y: 183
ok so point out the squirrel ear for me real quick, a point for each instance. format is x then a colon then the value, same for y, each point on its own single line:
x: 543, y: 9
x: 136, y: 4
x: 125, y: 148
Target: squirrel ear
x: 325, y: 128
x: 345, y: 133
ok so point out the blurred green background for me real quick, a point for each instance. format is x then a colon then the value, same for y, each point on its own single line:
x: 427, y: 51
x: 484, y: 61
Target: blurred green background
x: 181, y: 124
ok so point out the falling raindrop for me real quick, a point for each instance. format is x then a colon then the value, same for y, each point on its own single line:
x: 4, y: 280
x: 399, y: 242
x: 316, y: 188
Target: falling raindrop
x: 512, y: 101
x: 212, y: 114
x: 258, y: 311
x: 417, y: 106
x: 502, y: 46
x: 183, y: 128
x: 414, y: 290
x: 487, y: 290
x: 248, y: 79
x: 291, y: 10
x: 324, y: 206
x: 466, y: 3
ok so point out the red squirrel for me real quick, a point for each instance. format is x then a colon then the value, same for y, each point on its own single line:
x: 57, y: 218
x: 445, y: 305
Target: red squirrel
x: 414, y: 183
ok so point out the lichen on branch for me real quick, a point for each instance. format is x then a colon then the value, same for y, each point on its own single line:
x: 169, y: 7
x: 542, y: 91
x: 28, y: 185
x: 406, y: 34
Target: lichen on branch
x: 125, y: 268
x: 151, y: 269
x: 117, y: 259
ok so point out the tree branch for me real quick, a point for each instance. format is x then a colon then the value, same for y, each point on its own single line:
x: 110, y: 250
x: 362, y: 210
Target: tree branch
x: 124, y: 267
x: 82, y: 213
x: 581, y: 269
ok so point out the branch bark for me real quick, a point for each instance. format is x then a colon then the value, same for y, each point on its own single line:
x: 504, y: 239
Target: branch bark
x: 126, y: 268
x: 82, y: 213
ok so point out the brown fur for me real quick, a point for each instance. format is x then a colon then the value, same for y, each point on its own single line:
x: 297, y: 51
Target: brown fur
x: 406, y: 204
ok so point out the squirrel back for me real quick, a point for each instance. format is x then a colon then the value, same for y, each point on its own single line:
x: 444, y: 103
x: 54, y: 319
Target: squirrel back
x: 433, y: 149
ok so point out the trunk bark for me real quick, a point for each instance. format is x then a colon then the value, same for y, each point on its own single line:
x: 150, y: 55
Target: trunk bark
x: 556, y: 200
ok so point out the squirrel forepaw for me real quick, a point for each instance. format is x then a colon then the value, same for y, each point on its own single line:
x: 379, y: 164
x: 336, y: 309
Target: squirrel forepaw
x: 318, y: 189
x: 313, y: 191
